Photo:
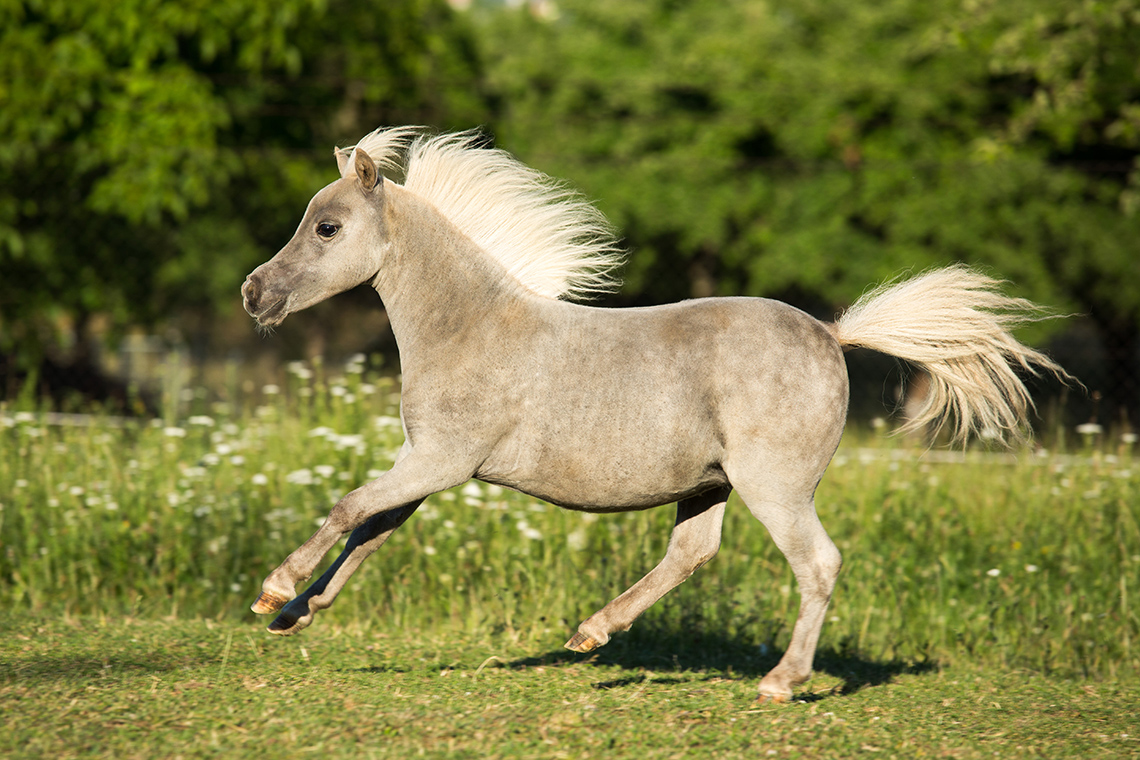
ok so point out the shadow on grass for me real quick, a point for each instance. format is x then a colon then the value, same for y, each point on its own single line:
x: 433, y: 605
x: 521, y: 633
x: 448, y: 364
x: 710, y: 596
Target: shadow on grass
x: 85, y: 667
x: 715, y: 656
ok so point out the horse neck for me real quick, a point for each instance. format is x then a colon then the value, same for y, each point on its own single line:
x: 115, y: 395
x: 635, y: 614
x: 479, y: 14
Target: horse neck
x: 437, y: 286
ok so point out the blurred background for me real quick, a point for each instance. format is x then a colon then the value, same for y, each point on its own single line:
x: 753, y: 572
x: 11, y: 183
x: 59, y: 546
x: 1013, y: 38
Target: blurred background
x: 152, y: 153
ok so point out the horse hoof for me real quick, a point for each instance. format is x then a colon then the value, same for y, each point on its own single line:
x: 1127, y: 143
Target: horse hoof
x: 581, y: 643
x: 771, y: 699
x: 283, y: 627
x: 267, y: 602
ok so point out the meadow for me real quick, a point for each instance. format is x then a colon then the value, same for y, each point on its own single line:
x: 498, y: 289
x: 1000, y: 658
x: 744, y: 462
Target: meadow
x: 987, y: 603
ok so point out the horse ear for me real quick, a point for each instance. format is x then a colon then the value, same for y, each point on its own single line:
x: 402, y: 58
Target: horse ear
x: 342, y: 156
x: 366, y: 170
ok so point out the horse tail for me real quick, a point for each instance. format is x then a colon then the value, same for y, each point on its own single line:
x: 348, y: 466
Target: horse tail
x: 955, y: 324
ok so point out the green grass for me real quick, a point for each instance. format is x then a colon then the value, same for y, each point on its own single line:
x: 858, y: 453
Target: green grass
x: 142, y: 689
x: 969, y: 581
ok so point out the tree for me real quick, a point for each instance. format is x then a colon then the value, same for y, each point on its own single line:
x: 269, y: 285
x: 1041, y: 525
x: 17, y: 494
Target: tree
x: 151, y: 153
x: 806, y: 148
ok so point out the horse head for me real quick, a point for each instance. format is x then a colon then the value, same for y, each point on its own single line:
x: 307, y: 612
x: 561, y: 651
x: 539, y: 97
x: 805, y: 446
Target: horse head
x: 338, y: 245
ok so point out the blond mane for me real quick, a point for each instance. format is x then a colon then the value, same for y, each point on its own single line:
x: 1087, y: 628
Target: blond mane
x: 547, y: 236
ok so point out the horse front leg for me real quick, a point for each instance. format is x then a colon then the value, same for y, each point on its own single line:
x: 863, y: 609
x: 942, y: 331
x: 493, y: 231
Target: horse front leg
x: 298, y: 614
x: 694, y: 541
x: 412, y: 479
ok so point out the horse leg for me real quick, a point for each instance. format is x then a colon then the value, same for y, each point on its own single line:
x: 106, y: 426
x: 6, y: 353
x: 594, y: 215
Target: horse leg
x: 694, y: 541
x: 298, y: 614
x: 793, y: 524
x: 411, y: 480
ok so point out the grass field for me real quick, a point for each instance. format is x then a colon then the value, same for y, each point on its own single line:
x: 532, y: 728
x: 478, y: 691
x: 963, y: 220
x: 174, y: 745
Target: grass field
x: 986, y: 607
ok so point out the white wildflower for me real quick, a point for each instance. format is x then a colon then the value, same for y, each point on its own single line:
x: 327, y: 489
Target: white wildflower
x: 270, y: 389
x: 1090, y: 428
x: 201, y: 420
x: 993, y: 572
x: 1031, y: 568
x: 259, y: 479
x: 303, y: 477
x: 349, y: 442
x: 577, y: 540
x: 174, y: 432
x: 325, y: 470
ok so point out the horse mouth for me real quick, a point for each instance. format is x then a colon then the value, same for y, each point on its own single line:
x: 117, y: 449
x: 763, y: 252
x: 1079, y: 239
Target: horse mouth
x: 272, y: 315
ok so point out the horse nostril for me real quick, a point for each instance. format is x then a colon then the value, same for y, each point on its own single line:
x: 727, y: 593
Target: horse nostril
x: 251, y: 293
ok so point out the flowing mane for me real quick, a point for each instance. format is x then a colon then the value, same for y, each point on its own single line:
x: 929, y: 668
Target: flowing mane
x: 547, y: 236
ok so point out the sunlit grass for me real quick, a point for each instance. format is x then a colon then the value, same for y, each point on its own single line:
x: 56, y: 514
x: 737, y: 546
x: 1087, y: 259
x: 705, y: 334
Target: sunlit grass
x: 1027, y: 562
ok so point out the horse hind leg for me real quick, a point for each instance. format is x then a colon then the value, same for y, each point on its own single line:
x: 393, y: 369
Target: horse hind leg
x: 786, y: 505
x: 790, y: 517
x: 694, y: 541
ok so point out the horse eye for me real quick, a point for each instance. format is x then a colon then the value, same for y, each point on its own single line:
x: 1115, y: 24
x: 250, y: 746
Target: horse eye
x: 326, y: 230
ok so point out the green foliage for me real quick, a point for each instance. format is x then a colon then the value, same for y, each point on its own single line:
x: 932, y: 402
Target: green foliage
x: 152, y: 153
x: 814, y: 147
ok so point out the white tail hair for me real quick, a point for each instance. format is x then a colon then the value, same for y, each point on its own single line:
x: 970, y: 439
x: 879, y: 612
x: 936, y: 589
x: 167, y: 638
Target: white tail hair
x: 955, y: 324
x: 547, y: 236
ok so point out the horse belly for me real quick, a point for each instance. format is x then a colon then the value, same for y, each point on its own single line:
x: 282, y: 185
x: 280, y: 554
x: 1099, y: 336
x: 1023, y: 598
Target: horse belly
x: 608, y: 468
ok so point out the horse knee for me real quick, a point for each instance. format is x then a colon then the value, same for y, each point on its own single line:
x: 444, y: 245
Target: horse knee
x: 348, y: 513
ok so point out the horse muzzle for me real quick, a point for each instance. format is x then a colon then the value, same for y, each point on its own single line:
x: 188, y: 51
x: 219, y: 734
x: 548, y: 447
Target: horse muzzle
x: 267, y: 311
